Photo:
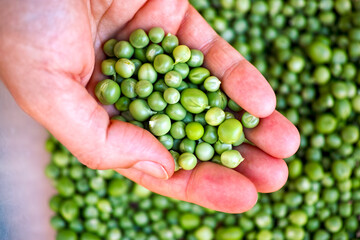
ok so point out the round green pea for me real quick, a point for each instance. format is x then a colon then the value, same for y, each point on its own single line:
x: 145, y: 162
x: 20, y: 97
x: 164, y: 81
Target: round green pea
x: 231, y: 158
x: 173, y: 79
x: 108, y: 67
x: 194, y: 130
x: 156, y: 101
x: 108, y: 47
x: 210, y: 134
x: 217, y: 99
x: 187, y: 145
x: 160, y: 85
x: 147, y: 72
x: 198, y: 75
x: 128, y: 87
x: 123, y: 49
x: 152, y: 51
x: 214, y: 116
x: 156, y: 34
x: 177, y: 130
x: 222, y: 147
x: 163, y: 63
x: 171, y: 95
x: 181, y: 54
x: 183, y: 69
x: 212, y: 84
x: 140, y: 110
x: 230, y: 131
x: 234, y: 106
x: 125, y: 68
x: 169, y: 43
x: 204, y: 151
x: 107, y: 91
x: 143, y: 88
x: 194, y: 100
x: 139, y: 38
x: 122, y: 104
x: 159, y: 124
x: 196, y: 59
x: 249, y: 121
x: 187, y: 161
x: 167, y: 141
x: 176, y: 111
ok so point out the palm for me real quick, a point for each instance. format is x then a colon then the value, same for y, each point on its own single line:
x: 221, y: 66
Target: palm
x: 70, y: 47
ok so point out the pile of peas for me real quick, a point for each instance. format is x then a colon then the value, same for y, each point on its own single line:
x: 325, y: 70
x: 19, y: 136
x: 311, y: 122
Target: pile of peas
x: 310, y: 53
x: 161, y: 86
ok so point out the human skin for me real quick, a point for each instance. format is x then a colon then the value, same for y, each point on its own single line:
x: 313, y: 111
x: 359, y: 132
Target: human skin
x: 51, y: 55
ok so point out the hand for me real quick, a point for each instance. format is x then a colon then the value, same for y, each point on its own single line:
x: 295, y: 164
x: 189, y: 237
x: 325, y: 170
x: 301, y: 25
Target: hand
x: 49, y: 52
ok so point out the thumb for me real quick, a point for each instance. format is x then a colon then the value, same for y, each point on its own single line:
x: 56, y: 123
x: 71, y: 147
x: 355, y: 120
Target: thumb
x: 73, y: 116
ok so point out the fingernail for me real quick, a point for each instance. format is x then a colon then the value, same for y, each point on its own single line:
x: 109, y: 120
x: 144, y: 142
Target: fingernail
x: 152, y: 169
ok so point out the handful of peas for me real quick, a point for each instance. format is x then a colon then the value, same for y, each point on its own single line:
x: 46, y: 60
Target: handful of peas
x: 161, y: 86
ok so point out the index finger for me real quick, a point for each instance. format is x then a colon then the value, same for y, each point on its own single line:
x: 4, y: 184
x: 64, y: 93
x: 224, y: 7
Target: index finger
x: 240, y: 80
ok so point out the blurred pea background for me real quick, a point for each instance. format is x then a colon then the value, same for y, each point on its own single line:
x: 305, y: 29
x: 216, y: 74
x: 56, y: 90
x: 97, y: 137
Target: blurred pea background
x: 309, y: 50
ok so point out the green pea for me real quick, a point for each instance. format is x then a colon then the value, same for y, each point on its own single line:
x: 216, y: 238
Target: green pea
x: 152, y: 51
x: 234, y: 106
x: 167, y: 141
x: 108, y: 67
x: 350, y: 134
x: 188, y: 118
x: 156, y: 34
x: 194, y: 100
x: 128, y: 87
x: 204, y: 151
x: 231, y: 158
x: 249, y: 121
x: 214, y: 116
x: 210, y: 134
x: 240, y: 140
x: 156, y: 101
x: 137, y: 123
x: 175, y: 156
x: 122, y: 104
x: 183, y: 86
x: 194, y: 130
x: 181, y: 54
x: 326, y: 123
x: 173, y: 79
x: 119, y: 118
x: 198, y: 75
x: 187, y: 161
x: 183, y: 69
x: 176, y: 111
x: 143, y: 88
x: 123, y: 49
x: 140, y: 53
x: 341, y: 170
x: 140, y: 110
x: 159, y: 124
x: 196, y: 59
x: 139, y: 38
x: 212, y: 84
x: 108, y: 47
x: 200, y: 118
x: 66, y: 234
x: 160, y: 85
x: 147, y: 72
x: 230, y: 131
x: 107, y: 91
x: 177, y: 130
x: 217, y: 99
x: 163, y: 63
x: 125, y: 68
x: 137, y: 64
x: 169, y: 43
x: 222, y: 147
x: 319, y: 52
x: 171, y: 95
x: 187, y: 145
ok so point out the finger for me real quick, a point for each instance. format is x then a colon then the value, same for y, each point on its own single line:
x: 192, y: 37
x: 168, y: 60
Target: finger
x: 241, y: 81
x: 267, y: 173
x: 275, y: 135
x: 208, y: 185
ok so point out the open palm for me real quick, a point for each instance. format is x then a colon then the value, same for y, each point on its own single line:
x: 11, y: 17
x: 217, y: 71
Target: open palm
x: 53, y: 50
